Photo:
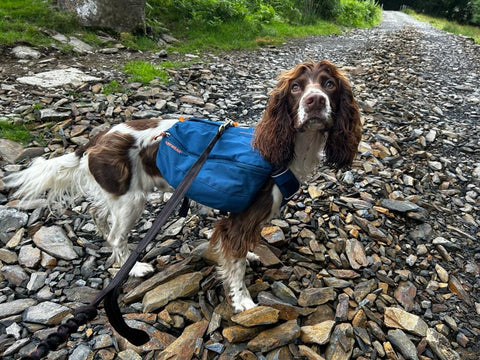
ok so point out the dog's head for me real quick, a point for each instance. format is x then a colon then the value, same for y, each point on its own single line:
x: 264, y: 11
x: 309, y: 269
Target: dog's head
x: 310, y: 97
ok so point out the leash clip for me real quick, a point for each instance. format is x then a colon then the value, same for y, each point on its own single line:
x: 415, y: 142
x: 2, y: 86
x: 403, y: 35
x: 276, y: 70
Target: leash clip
x: 226, y: 125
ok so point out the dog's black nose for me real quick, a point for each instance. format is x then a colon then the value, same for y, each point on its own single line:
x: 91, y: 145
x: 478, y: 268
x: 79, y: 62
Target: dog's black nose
x: 314, y: 101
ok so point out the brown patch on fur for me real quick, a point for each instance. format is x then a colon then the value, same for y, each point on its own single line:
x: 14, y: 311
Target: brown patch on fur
x: 240, y: 233
x: 91, y: 143
x: 109, y: 162
x: 148, y: 156
x: 143, y: 124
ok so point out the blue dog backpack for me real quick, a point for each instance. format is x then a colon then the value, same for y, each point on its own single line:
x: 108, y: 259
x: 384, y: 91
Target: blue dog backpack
x: 233, y: 173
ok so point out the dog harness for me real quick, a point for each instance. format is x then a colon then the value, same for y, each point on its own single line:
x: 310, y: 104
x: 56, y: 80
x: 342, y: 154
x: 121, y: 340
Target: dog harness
x: 234, y: 171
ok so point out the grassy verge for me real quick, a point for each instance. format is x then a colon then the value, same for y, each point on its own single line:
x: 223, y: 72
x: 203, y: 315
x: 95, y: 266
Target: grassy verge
x: 21, y: 21
x: 240, y: 35
x: 14, y: 132
x: 449, y: 26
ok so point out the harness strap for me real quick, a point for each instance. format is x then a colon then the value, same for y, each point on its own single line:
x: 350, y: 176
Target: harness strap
x: 286, y: 182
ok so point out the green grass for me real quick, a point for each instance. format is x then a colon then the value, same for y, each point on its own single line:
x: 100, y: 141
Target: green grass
x: 282, y: 31
x: 145, y: 72
x: 237, y: 35
x: 449, y: 26
x: 14, y: 132
x: 22, y: 19
x: 112, y: 87
x: 138, y: 42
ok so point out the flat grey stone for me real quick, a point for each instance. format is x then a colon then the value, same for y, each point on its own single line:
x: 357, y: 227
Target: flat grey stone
x: 55, y: 78
x: 25, y: 52
x: 53, y: 241
x: 46, y: 313
x: 15, y: 307
x: 11, y: 219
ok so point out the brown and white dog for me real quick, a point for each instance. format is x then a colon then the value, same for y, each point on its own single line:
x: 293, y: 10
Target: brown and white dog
x: 311, y: 115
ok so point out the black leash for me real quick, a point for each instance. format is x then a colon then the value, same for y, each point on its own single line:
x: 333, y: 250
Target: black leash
x: 109, y: 294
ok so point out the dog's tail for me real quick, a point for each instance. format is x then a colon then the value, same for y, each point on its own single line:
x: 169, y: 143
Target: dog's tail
x: 57, y: 178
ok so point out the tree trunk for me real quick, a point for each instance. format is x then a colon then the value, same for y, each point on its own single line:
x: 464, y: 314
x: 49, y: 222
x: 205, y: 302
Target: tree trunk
x: 118, y: 15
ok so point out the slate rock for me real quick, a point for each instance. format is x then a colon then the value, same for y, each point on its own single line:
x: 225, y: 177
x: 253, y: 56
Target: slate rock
x: 10, y: 151
x: 401, y: 319
x: 182, y: 286
x: 55, y: 242
x: 47, y: 313
x: 318, y: 333
x: 29, y: 256
x: 11, y: 219
x: 316, y: 296
x: 259, y: 315
x: 401, y: 341
x: 25, y: 52
x: 441, y: 346
x: 14, y: 274
x: 341, y: 343
x: 55, y: 78
x: 15, y: 307
x: 184, y: 346
x: 402, y: 206
x: 280, y: 335
x: 237, y: 333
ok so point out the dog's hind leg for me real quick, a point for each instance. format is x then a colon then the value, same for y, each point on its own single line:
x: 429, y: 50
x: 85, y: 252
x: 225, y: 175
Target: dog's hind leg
x: 125, y: 211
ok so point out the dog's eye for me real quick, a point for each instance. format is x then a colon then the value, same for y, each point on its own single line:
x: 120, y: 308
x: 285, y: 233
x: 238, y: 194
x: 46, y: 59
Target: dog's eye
x: 295, y: 87
x: 329, y: 84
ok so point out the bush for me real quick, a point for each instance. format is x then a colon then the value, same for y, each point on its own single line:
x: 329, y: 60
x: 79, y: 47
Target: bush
x: 210, y: 11
x: 312, y: 10
x: 286, y: 9
x: 359, y: 13
x: 476, y: 12
x: 462, y: 11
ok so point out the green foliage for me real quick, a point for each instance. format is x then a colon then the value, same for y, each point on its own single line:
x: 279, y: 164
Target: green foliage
x: 200, y: 24
x: 359, y: 13
x: 21, y: 20
x: 461, y: 11
x: 449, y: 26
x: 205, y: 11
x: 145, y: 72
x: 475, y: 12
x: 227, y: 36
x: 312, y: 10
x: 112, y: 87
x: 234, y: 24
x: 14, y: 132
x: 286, y: 10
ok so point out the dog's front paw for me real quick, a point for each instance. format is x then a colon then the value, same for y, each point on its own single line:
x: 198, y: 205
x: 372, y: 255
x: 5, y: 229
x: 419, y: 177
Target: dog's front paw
x: 243, y: 303
x: 141, y: 269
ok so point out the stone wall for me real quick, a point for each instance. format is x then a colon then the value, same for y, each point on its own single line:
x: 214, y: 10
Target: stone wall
x: 118, y: 15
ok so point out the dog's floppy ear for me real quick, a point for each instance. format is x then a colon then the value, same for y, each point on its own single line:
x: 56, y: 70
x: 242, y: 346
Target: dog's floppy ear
x: 275, y: 133
x: 343, y: 138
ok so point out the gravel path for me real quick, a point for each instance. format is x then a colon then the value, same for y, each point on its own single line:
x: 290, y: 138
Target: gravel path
x: 377, y: 262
